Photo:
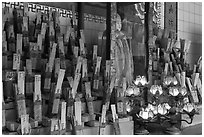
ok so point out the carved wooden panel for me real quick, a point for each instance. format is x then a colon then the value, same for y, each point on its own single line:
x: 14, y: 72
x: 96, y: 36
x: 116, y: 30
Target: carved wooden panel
x: 170, y: 15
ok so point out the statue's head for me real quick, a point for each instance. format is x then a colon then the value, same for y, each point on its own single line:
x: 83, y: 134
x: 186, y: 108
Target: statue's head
x: 118, y: 23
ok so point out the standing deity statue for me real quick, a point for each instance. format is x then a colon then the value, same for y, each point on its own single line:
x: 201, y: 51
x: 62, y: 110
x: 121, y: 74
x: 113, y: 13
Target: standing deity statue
x: 123, y: 61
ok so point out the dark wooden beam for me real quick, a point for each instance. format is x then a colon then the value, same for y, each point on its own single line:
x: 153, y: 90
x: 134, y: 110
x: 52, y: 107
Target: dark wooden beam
x: 62, y: 5
x: 126, y: 3
x: 96, y: 4
x: 80, y: 16
x: 108, y: 30
x: 146, y: 27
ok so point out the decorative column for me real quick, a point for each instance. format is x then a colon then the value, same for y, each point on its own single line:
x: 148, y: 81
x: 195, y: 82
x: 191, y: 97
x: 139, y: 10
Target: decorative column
x: 112, y: 37
x: 149, y: 37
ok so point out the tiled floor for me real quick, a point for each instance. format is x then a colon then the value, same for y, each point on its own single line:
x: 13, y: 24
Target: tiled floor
x: 193, y: 130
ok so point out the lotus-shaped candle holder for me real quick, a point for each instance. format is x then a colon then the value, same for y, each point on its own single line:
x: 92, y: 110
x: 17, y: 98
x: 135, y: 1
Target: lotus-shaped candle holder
x: 178, y: 108
x: 170, y: 81
x: 150, y: 114
x: 132, y: 91
x: 156, y: 89
x: 140, y: 81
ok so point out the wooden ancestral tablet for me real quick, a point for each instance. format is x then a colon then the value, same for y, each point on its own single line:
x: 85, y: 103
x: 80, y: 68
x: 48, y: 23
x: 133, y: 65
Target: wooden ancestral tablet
x: 16, y: 61
x: 11, y: 39
x: 109, y: 92
x: 29, y: 77
x: 193, y: 92
x: 89, y: 98
x: 70, y: 105
x: 63, y: 118
x: 54, y: 128
x: 37, y: 99
x: 75, y: 84
x: 61, y: 53
x: 58, y: 91
x: 20, y: 94
x: 25, y: 125
x: 121, y: 106
x: 47, y: 82
x: 8, y: 83
x: 96, y: 74
x: 19, y: 44
x: 77, y: 116
x: 103, y: 121
x: 57, y: 67
x: 115, y: 120
x: 3, y: 112
x: 84, y: 74
x: 4, y: 51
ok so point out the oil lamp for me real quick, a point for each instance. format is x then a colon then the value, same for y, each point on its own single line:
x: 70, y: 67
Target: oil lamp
x: 179, y: 106
x: 143, y: 117
x: 136, y: 102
